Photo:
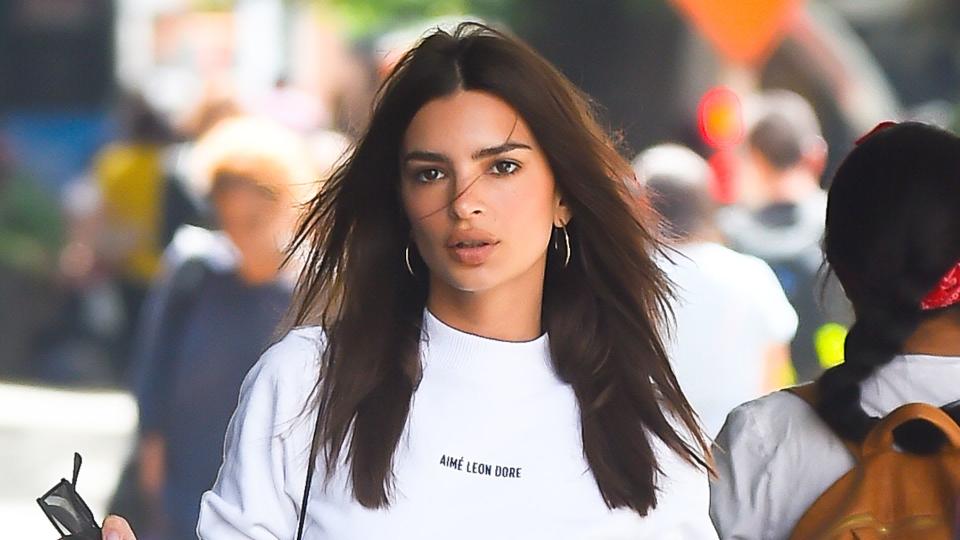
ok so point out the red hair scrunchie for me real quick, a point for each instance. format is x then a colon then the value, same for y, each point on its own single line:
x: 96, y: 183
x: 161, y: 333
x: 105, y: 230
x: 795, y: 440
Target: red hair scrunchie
x: 878, y: 128
x: 946, y: 293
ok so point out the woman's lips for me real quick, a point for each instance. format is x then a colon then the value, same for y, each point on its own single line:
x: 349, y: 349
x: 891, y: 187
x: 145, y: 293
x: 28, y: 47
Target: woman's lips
x: 472, y: 255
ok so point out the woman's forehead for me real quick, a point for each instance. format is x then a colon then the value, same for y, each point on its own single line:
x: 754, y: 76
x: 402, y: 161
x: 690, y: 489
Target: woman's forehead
x: 464, y: 122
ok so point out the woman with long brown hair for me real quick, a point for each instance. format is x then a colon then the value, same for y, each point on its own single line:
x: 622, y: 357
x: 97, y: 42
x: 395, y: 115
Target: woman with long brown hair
x: 477, y: 347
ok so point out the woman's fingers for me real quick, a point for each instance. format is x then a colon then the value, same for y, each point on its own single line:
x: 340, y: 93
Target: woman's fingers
x: 117, y: 528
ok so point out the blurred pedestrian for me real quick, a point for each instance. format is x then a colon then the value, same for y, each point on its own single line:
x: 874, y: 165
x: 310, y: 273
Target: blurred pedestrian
x: 216, y: 310
x: 129, y: 175
x: 733, y: 321
x: 779, y: 215
x: 893, y: 240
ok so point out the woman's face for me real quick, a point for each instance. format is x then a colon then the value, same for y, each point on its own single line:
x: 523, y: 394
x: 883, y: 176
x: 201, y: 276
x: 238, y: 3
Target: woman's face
x: 480, y: 195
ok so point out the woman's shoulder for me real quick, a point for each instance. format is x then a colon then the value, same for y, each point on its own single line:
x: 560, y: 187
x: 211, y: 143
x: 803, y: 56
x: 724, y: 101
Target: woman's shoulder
x: 776, y: 423
x: 774, y: 457
x: 301, y: 345
x: 292, y: 361
x: 299, y: 340
x: 781, y: 437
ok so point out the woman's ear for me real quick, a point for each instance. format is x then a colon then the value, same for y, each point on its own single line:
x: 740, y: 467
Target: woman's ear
x: 561, y: 212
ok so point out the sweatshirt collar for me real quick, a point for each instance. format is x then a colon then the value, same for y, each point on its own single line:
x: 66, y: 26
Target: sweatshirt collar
x: 447, y: 349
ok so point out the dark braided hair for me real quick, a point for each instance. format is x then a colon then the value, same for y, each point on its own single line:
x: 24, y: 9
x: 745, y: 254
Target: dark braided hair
x: 892, y: 232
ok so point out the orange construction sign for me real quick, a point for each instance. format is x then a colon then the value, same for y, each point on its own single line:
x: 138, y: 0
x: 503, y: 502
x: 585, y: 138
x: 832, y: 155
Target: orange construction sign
x: 743, y: 31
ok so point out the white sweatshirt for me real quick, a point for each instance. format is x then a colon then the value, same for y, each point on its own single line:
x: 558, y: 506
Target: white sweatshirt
x: 491, y: 450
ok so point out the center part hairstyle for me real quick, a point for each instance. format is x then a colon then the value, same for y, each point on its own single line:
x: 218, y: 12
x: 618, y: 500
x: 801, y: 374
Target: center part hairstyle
x: 606, y: 311
x: 892, y: 233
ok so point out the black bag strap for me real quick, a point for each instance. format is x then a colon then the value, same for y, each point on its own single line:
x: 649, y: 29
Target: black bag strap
x: 311, y: 468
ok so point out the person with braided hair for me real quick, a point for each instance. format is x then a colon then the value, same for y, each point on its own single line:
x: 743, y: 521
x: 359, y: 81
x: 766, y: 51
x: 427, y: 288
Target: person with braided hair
x: 893, y: 240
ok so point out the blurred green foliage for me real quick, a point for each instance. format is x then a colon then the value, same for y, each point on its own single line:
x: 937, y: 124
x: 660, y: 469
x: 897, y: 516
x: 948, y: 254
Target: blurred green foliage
x: 213, y: 5
x: 362, y: 16
x: 367, y: 16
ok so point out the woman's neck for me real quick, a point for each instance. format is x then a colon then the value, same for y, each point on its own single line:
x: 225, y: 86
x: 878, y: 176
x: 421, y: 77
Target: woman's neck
x: 495, y: 314
x: 939, y: 336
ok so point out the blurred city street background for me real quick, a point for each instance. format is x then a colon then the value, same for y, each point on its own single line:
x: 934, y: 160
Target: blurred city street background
x: 106, y: 114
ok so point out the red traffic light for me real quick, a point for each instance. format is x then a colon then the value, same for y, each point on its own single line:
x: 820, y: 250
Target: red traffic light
x: 720, y: 118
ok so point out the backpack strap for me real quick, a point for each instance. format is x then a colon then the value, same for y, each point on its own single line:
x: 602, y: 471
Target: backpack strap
x: 881, y: 437
x: 808, y: 393
x: 953, y: 410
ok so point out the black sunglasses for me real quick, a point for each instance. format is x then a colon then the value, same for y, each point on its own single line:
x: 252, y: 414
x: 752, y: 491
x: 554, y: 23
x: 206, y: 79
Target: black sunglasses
x: 67, y: 511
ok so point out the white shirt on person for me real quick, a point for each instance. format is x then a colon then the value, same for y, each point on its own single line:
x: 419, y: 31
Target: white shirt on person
x: 730, y: 309
x: 775, y: 456
x: 491, y: 450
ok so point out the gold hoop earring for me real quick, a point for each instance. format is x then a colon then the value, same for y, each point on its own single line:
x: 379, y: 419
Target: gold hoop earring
x: 406, y: 259
x: 566, y: 243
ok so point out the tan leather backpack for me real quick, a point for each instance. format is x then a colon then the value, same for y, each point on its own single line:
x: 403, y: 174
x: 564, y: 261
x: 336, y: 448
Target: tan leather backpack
x: 890, y: 494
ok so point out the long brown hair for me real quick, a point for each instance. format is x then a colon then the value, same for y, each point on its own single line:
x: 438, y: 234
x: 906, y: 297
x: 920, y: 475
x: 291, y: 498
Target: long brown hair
x: 605, y: 312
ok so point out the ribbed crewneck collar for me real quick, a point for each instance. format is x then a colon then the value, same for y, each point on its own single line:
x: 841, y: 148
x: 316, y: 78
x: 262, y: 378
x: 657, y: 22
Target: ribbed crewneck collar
x: 461, y: 354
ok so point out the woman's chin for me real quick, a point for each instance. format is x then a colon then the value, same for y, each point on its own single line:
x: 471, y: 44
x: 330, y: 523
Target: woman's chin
x: 472, y: 280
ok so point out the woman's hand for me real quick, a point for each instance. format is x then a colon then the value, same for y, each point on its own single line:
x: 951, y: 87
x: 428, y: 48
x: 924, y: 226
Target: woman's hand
x: 117, y: 528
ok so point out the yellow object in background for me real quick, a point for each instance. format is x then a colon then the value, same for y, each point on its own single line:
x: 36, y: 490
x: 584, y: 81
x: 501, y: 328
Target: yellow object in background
x: 130, y: 179
x: 828, y: 342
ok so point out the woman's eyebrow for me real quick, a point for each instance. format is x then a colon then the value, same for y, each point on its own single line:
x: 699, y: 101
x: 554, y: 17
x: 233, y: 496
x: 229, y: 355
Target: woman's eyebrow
x: 436, y: 157
x: 422, y: 155
x: 500, y: 149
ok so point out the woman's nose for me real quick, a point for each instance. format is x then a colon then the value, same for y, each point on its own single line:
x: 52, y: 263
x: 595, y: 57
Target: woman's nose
x: 467, y: 198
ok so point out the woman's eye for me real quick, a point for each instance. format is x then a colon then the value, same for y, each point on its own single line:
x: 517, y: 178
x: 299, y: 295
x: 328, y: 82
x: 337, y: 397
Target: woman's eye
x: 429, y: 175
x: 504, y: 168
